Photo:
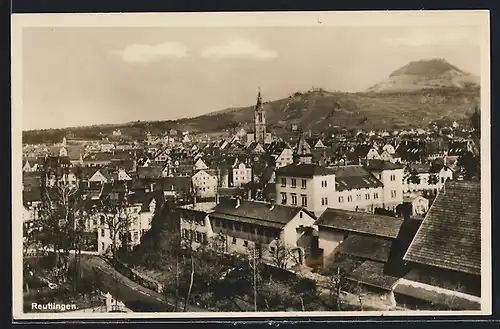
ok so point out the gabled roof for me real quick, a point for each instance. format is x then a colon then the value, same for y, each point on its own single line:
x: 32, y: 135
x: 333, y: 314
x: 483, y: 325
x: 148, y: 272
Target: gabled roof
x: 354, y: 177
x: 379, y: 165
x: 450, y: 234
x: 360, y: 222
x: 372, y: 274
x: 305, y: 170
x: 366, y: 247
x: 98, y: 156
x: 261, y: 213
x: 149, y: 172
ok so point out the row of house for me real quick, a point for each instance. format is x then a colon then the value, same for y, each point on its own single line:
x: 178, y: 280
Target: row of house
x: 432, y: 262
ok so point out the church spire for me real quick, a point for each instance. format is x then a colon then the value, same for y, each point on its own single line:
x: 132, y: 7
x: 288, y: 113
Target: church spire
x: 259, y: 100
x: 303, y: 152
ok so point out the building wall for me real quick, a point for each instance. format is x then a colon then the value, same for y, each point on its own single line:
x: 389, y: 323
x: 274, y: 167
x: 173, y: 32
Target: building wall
x: 195, y: 227
x: 241, y: 175
x: 357, y: 199
x: 204, y: 184
x: 329, y: 240
x: 393, y: 187
x: 285, y: 158
x: 313, y: 191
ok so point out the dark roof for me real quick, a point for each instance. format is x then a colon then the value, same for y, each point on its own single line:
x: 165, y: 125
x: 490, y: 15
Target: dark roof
x: 303, y: 170
x: 354, y: 177
x: 420, y: 168
x: 450, y: 234
x: 372, y: 274
x: 98, y: 156
x: 149, y: 172
x: 376, y: 164
x: 366, y: 247
x: 258, y: 212
x: 360, y: 222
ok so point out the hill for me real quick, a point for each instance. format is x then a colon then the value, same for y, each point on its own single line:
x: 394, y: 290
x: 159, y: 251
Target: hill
x: 413, y: 96
x: 426, y: 74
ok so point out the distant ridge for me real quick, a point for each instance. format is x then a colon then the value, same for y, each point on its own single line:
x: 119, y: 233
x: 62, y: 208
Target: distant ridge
x: 426, y: 74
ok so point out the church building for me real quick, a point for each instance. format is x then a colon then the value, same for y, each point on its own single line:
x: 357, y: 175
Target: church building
x: 259, y: 134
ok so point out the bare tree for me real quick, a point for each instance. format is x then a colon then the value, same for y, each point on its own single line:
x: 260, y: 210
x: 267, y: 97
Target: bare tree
x: 119, y: 214
x: 254, y: 260
x: 59, y: 223
x: 337, y: 284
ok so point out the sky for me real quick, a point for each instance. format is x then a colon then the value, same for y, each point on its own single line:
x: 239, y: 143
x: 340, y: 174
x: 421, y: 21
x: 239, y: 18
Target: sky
x: 74, y: 76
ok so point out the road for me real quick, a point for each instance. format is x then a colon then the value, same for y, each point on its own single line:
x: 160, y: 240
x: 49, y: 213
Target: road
x: 133, y: 295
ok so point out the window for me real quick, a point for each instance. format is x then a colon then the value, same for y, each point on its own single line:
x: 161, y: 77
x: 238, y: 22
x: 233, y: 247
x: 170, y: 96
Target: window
x: 204, y: 237
x: 294, y: 182
x: 237, y: 226
x: 283, y: 198
x: 136, y: 236
x: 283, y: 182
x: 103, y: 220
x: 198, y: 236
x: 393, y: 178
x: 304, y: 200
x: 304, y: 183
x: 442, y: 180
x: 272, y: 249
x: 375, y: 195
x: 234, y: 240
x: 324, y: 201
x: 393, y: 194
x: 102, y: 232
x: 349, y: 198
x: 294, y: 199
x: 367, y: 196
x: 300, y: 214
x: 324, y: 183
x: 102, y: 246
x: 245, y: 243
x: 358, y: 197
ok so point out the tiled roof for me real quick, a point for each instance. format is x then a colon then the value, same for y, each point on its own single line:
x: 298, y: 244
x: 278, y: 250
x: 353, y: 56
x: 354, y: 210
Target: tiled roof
x: 360, y: 222
x: 261, y: 212
x: 420, y: 168
x: 376, y: 164
x: 450, y: 234
x: 98, y: 156
x: 354, y: 177
x: 372, y: 274
x: 149, y: 172
x: 303, y: 170
x: 366, y: 247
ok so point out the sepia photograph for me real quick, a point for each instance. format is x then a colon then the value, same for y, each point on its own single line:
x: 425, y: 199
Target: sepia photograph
x: 251, y: 164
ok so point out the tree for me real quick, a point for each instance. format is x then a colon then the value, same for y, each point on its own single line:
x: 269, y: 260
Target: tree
x: 433, y: 179
x: 470, y: 165
x: 119, y: 214
x: 414, y: 177
x: 280, y: 254
x: 254, y: 260
x: 61, y: 215
x: 475, y: 120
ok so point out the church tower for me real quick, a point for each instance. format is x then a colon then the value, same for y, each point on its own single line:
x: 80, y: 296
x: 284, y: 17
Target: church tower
x: 259, y: 121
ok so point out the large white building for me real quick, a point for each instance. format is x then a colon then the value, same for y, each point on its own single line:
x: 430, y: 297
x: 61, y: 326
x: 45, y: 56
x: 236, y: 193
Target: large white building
x: 267, y: 228
x: 363, y: 188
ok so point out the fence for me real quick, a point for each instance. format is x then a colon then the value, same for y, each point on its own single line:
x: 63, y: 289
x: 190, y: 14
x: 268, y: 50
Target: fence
x: 138, y: 277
